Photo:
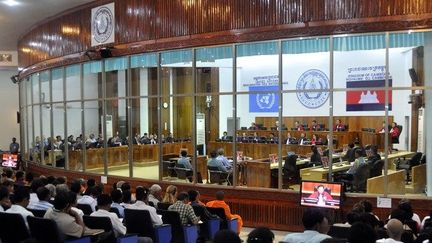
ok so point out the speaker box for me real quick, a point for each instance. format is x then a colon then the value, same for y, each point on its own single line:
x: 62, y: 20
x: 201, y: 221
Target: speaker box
x: 105, y: 53
x: 413, y: 75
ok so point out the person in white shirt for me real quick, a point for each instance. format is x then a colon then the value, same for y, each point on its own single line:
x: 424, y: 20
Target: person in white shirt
x: 116, y: 196
x: 394, y: 230
x: 21, y: 198
x: 43, y: 195
x: 89, y: 198
x: 36, y: 183
x: 141, y: 199
x: 316, y: 228
x: 104, y: 204
x: 155, y: 195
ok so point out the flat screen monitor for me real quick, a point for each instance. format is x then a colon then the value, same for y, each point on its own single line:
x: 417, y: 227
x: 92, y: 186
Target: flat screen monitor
x: 321, y: 194
x: 10, y: 160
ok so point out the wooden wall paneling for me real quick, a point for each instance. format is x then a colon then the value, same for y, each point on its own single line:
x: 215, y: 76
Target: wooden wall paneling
x: 163, y: 23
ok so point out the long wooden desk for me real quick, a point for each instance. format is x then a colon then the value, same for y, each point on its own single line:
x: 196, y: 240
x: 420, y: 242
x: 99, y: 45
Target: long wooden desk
x: 320, y: 173
x: 261, y: 150
x: 146, y: 153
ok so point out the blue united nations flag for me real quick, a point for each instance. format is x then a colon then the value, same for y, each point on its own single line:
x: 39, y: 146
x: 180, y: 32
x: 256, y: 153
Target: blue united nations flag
x: 264, y: 101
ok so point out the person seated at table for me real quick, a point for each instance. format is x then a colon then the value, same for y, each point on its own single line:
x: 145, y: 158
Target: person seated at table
x: 315, y: 140
x: 253, y: 126
x: 298, y: 126
x: 349, y: 155
x: 243, y: 138
x: 145, y: 139
x: 394, y: 131
x: 255, y: 138
x: 322, y: 195
x: 224, y: 137
x: 349, y: 175
x: 374, y: 156
x: 272, y: 138
x: 221, y: 157
x: 215, y: 162
x: 315, y: 158
x: 314, y: 126
x: 290, y: 139
x: 302, y: 139
x: 339, y: 126
x: 169, y: 138
x: 184, y: 161
x: 327, y: 140
x: 382, y: 129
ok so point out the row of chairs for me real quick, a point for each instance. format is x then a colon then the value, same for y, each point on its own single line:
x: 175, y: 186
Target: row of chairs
x: 137, y: 222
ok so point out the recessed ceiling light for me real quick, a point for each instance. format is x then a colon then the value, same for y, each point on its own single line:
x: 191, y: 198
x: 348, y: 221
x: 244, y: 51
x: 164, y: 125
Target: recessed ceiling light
x: 11, y: 2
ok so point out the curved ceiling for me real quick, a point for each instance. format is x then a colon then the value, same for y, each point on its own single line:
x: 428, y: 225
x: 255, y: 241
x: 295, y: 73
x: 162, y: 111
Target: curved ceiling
x: 17, y: 20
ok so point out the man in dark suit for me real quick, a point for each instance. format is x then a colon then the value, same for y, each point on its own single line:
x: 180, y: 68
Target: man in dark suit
x: 373, y: 156
x: 315, y: 126
x: 224, y: 137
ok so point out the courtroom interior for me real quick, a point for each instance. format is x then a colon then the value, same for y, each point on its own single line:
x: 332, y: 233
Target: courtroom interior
x: 254, y: 106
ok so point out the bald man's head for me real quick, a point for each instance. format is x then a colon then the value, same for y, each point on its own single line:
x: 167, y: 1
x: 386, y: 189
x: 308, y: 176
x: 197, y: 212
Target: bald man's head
x: 394, y: 229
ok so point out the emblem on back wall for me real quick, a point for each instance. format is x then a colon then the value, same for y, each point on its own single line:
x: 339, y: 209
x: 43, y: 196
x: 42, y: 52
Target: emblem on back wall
x: 103, y: 24
x: 317, y: 81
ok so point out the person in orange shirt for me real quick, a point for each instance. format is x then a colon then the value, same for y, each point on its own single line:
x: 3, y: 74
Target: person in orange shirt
x: 220, y: 203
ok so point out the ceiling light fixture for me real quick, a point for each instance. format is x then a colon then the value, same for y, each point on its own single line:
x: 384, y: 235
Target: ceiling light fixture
x: 11, y: 3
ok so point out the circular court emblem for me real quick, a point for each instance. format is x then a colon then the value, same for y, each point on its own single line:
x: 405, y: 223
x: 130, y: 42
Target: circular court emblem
x: 315, y: 80
x: 265, y: 101
x: 103, y: 24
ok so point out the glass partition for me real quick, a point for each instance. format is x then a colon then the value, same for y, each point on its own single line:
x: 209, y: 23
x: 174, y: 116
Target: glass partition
x: 335, y: 99
x: 177, y: 113
x: 144, y: 116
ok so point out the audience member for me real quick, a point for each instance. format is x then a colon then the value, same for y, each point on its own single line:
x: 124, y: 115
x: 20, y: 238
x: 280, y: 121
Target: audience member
x: 186, y: 212
x: 141, y: 204
x: 34, y: 186
x: 170, y: 194
x: 21, y: 201
x: 405, y: 204
x: 394, y: 230
x: 43, y: 195
x: 225, y: 236
x: 361, y: 233
x: 126, y: 198
x: 195, y: 202
x: 76, y: 188
x: 155, y: 195
x: 316, y: 228
x: 220, y: 203
x: 260, y: 235
x: 116, y: 196
x: 89, y: 198
x: 68, y: 221
x: 19, y: 178
x: 5, y: 202
x: 104, y: 204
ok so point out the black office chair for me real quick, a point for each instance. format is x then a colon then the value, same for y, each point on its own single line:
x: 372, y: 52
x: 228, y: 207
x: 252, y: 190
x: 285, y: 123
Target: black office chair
x: 86, y: 208
x: 409, y: 163
x: 181, y: 233
x: 168, y: 168
x: 104, y: 223
x: 163, y: 205
x: 37, y: 212
x: 290, y: 173
x: 360, y: 178
x: 45, y: 230
x: 339, y: 233
x: 376, y: 169
x: 211, y: 223
x: 230, y: 224
x: 116, y: 211
x: 217, y: 176
x: 12, y: 228
x: 139, y: 222
x: 183, y: 173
